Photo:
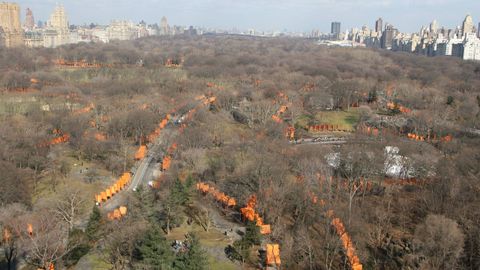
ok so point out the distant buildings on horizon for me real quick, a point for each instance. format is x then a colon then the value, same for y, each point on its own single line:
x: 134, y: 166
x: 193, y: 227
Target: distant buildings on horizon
x: 462, y: 42
x: 57, y: 31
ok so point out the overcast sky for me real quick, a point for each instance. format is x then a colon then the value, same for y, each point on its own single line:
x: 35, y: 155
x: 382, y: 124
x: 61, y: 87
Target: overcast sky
x: 293, y: 15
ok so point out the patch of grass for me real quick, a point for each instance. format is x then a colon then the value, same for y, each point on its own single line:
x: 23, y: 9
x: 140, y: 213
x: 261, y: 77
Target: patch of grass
x: 214, y: 264
x: 214, y: 242
x: 212, y: 238
x: 344, y: 119
x: 302, y: 121
x: 92, y: 261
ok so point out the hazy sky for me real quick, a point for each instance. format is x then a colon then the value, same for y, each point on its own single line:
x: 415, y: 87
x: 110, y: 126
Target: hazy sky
x: 296, y: 15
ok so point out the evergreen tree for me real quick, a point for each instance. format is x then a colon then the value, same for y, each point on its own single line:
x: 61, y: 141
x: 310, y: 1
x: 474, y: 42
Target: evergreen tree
x: 252, y: 235
x: 242, y: 247
x: 180, y: 193
x: 146, y: 202
x: 93, y: 223
x: 155, y: 251
x: 190, y: 183
x: 194, y: 258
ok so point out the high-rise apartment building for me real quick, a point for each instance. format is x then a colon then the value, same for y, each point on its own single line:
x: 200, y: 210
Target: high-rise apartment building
x: 379, y: 25
x: 388, y: 35
x: 121, y: 30
x: 57, y: 32
x: 433, y: 27
x: 29, y: 20
x: 11, y: 34
x: 336, y: 28
x: 467, y: 26
x: 164, y: 27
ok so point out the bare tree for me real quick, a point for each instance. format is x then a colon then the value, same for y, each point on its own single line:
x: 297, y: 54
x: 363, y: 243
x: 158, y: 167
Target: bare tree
x: 69, y: 205
x: 47, y: 242
x: 12, y: 224
x: 440, y: 240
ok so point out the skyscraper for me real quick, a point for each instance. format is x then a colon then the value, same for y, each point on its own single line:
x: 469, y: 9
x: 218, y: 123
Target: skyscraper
x: 379, y: 25
x: 11, y: 34
x: 29, y: 20
x: 336, y: 28
x: 387, y: 38
x: 434, y: 27
x: 58, y: 19
x: 164, y: 27
x: 467, y: 26
x: 57, y: 33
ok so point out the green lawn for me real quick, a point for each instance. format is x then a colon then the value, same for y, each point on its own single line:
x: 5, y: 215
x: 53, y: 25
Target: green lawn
x: 345, y: 119
x: 213, y: 241
x: 92, y: 261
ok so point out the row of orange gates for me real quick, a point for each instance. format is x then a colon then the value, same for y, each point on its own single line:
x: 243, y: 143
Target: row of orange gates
x: 273, y: 250
x: 119, y: 185
x: 327, y: 127
x: 126, y: 178
x: 248, y: 213
x: 371, y: 131
x: 342, y: 233
x: 117, y: 213
x: 167, y: 159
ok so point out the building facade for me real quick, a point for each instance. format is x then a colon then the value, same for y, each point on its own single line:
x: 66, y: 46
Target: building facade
x: 336, y: 29
x: 379, y: 25
x: 121, y: 30
x: 29, y: 20
x: 11, y: 33
x: 57, y: 32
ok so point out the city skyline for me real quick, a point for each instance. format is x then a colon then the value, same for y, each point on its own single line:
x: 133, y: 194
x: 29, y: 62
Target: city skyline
x: 407, y: 16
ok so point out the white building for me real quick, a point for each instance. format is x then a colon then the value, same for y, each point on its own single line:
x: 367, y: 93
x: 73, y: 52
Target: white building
x: 445, y: 47
x: 121, y: 30
x: 57, y: 32
x: 471, y: 47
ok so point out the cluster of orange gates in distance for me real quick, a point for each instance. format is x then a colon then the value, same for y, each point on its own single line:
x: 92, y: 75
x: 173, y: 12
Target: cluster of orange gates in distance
x: 167, y: 160
x: 117, y: 213
x: 154, y: 135
x: 221, y: 197
x: 283, y: 108
x: 396, y: 106
x: 428, y: 138
x: 121, y: 183
x: 215, y: 86
x: 277, y: 117
x: 141, y: 152
x: 370, y: 131
x: 308, y: 87
x: 62, y: 138
x: 290, y: 133
x: 170, y: 63
x: 86, y: 109
x: 327, y: 127
x: 79, y: 64
x: 248, y: 213
x: 100, y: 137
